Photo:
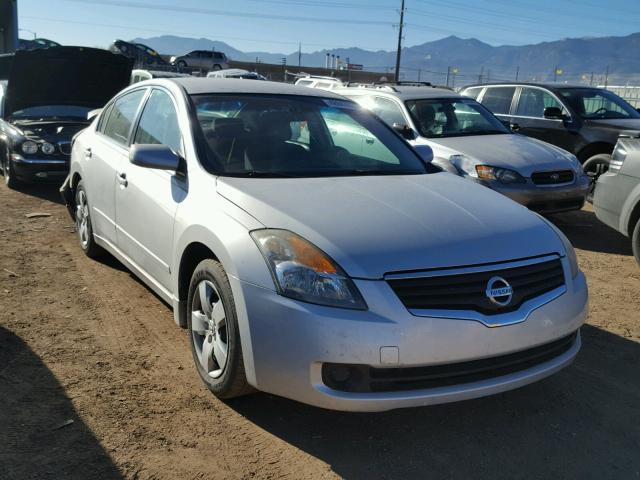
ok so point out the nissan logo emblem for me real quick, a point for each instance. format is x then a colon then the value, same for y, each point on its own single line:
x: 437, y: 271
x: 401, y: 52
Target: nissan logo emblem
x: 499, y: 292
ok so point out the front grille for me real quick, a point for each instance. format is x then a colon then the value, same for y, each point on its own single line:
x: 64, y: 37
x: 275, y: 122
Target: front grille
x: 65, y: 148
x: 552, y: 178
x: 468, y: 291
x: 557, y: 205
x: 364, y: 378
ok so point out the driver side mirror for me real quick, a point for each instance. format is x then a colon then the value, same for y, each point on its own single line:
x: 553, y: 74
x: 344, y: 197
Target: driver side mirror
x: 159, y: 157
x: 405, y: 130
x: 424, y: 152
x: 553, y: 113
x: 638, y: 109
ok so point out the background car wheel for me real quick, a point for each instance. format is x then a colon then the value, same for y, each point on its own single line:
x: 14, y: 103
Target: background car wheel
x: 182, y: 65
x: 10, y: 179
x: 594, y: 167
x: 83, y: 224
x: 635, y: 241
x: 213, y: 331
x: 217, y: 67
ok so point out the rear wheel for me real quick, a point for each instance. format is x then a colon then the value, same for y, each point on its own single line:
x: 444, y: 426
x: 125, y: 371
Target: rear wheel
x: 635, y: 241
x: 213, y: 331
x: 594, y: 167
x: 182, y: 65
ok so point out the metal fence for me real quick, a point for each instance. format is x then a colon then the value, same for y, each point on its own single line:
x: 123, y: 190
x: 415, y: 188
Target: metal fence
x: 630, y: 93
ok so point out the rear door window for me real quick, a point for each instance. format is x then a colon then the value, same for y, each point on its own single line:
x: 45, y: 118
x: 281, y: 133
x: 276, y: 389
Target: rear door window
x: 498, y: 99
x: 122, y: 115
x: 533, y: 101
x: 388, y: 111
x: 473, y: 92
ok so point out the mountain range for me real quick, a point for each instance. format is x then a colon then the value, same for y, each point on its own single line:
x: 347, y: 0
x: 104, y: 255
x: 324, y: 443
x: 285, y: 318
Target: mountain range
x: 470, y: 60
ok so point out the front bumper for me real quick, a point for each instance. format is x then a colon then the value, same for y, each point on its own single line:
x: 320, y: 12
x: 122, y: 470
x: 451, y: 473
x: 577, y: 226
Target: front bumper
x: 547, y: 198
x: 41, y: 170
x: 286, y: 343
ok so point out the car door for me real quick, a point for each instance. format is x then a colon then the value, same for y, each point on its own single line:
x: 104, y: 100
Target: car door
x: 529, y: 115
x: 146, y: 203
x: 105, y: 156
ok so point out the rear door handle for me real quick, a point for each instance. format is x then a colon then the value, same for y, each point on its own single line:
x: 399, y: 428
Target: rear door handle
x: 87, y: 153
x: 369, y: 141
x: 122, y: 179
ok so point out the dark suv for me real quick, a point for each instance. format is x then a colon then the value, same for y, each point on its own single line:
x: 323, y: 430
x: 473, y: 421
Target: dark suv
x: 585, y: 121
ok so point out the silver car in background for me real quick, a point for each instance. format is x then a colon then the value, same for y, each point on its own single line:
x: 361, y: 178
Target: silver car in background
x: 470, y: 141
x: 306, y: 265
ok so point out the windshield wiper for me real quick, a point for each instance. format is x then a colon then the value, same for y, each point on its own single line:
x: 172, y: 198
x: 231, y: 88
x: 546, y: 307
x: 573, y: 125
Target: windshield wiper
x: 261, y: 174
x: 358, y: 172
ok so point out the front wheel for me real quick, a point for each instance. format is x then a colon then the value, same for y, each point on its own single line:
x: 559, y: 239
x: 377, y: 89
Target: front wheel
x: 217, y: 67
x: 84, y: 228
x: 10, y: 179
x: 635, y: 241
x: 182, y: 65
x: 594, y: 167
x: 213, y: 331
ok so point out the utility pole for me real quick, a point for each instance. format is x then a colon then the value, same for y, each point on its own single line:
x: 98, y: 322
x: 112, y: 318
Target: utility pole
x: 299, y: 56
x: 399, y: 41
x: 606, y: 77
x: 591, y: 79
x: 419, y: 73
x: 448, y: 73
x: 555, y: 74
x: 481, y: 73
x: 517, y: 72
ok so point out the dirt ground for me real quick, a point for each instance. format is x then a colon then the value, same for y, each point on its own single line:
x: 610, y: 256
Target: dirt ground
x: 97, y: 382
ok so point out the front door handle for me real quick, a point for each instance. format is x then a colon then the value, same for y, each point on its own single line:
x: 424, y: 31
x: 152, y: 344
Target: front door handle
x: 369, y: 141
x: 87, y: 153
x: 122, y: 179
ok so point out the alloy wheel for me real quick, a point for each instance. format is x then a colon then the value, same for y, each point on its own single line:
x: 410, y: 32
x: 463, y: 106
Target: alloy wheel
x: 82, y: 218
x: 209, y: 329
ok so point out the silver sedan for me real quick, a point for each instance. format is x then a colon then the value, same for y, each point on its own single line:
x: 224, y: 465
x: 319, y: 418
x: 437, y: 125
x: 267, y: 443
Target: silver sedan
x: 305, y: 264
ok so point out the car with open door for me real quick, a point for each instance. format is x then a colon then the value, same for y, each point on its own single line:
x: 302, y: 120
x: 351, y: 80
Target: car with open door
x: 48, y: 97
x: 305, y: 266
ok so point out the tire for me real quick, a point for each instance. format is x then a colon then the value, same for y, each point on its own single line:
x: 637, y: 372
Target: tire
x: 594, y: 167
x: 84, y: 227
x: 181, y: 65
x: 635, y: 241
x: 217, y: 67
x: 213, y: 331
x: 10, y: 179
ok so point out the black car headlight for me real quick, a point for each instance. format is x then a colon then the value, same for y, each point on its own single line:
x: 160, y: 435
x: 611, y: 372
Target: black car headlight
x: 304, y: 272
x: 29, y: 147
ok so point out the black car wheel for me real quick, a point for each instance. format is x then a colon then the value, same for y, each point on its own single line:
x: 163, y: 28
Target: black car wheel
x: 182, y: 65
x: 10, y: 179
x: 212, y: 327
x: 594, y: 167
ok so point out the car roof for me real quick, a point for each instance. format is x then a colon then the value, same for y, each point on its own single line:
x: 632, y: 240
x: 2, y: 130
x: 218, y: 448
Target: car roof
x: 549, y: 86
x: 203, y: 85
x: 403, y: 92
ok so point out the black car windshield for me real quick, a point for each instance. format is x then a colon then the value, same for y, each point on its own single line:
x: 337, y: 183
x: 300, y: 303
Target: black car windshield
x: 297, y: 136
x: 51, y: 112
x: 453, y: 117
x: 597, y: 104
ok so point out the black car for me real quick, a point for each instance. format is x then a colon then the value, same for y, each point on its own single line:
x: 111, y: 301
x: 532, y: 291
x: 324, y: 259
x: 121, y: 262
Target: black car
x: 46, y: 101
x: 142, y: 55
x: 583, y: 120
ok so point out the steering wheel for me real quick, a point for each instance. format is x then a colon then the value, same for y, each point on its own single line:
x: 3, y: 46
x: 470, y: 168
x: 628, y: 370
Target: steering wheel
x: 601, y: 109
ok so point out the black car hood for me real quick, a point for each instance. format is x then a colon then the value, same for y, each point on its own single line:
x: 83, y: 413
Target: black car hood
x: 65, y: 76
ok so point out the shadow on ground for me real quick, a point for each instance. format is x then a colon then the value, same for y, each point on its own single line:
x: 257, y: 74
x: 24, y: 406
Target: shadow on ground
x: 580, y: 423
x: 586, y: 232
x: 37, y: 438
x: 47, y: 192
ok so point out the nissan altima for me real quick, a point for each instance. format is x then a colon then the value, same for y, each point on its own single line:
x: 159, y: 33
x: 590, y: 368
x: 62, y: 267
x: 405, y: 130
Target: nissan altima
x: 306, y: 264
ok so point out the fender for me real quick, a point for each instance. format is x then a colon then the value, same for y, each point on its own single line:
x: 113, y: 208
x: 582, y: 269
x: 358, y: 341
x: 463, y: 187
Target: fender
x: 630, y: 211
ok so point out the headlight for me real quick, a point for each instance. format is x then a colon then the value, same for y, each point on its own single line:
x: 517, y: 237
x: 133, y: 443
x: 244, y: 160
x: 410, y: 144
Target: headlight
x: 503, y: 175
x: 29, y: 147
x: 48, y: 148
x: 304, y: 272
x: 568, y: 248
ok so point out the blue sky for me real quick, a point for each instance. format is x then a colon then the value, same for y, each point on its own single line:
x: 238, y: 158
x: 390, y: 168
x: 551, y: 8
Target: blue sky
x: 258, y: 25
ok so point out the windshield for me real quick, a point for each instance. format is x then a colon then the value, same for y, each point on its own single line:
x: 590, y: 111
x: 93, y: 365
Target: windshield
x: 595, y: 103
x: 453, y: 117
x: 50, y: 112
x: 282, y: 136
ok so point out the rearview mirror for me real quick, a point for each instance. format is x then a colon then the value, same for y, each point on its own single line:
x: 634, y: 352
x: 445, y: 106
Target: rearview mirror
x: 424, y: 152
x: 405, y: 130
x: 553, y: 113
x: 159, y: 157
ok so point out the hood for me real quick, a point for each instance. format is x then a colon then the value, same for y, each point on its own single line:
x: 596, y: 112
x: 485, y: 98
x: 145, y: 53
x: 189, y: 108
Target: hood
x: 618, y: 123
x: 52, y: 132
x: 517, y: 152
x: 375, y: 225
x: 65, y: 76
